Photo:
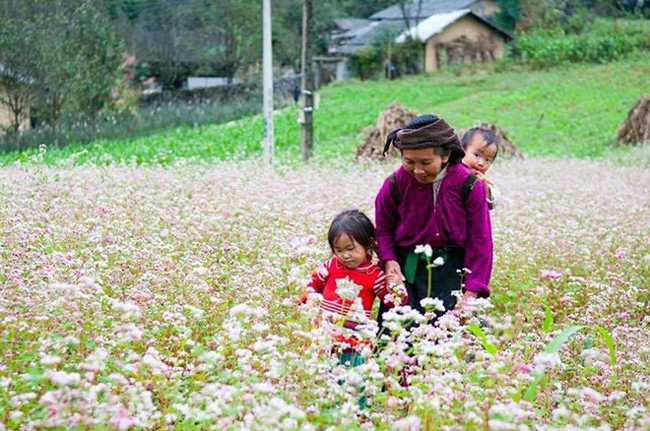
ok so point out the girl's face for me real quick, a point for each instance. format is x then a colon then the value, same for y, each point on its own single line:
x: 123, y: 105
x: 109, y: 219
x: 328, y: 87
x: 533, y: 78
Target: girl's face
x: 478, y: 157
x: 349, y: 252
x: 423, y: 163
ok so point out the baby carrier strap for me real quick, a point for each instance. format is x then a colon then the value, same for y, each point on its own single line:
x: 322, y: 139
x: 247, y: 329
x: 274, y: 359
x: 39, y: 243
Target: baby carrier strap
x: 468, y: 185
x: 393, y: 188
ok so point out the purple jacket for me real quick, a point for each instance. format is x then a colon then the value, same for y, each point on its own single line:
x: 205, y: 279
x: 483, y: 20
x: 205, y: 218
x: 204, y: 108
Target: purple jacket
x: 415, y: 221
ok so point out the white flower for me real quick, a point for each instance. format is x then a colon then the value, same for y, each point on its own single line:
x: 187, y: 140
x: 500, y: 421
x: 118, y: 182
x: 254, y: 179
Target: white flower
x: 438, y: 261
x: 50, y: 360
x: 426, y: 249
x: 62, y: 378
x: 409, y: 423
x: 432, y: 304
x: 347, y: 289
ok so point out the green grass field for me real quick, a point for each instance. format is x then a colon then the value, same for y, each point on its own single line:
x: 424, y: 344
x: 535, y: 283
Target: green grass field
x: 572, y: 111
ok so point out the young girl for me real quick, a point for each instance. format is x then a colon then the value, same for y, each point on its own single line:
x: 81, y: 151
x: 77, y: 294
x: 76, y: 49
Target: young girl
x: 481, y: 149
x: 432, y: 200
x: 349, y: 278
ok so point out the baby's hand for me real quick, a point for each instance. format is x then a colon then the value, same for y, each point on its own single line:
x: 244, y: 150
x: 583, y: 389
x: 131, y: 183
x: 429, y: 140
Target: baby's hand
x: 481, y: 176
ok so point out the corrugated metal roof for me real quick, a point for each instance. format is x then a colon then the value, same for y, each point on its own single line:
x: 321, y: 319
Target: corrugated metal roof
x: 369, y: 34
x: 347, y: 24
x: 428, y: 8
x: 432, y: 25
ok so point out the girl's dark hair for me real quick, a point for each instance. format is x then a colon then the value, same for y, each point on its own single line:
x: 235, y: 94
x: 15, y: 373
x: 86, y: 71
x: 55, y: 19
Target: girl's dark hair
x: 355, y: 224
x: 489, y: 138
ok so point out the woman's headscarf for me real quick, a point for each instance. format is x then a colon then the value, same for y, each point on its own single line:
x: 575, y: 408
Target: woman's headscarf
x: 426, y: 131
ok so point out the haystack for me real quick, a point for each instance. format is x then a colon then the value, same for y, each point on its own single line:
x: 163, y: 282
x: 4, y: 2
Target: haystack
x: 507, y: 148
x: 636, y: 128
x: 393, y: 117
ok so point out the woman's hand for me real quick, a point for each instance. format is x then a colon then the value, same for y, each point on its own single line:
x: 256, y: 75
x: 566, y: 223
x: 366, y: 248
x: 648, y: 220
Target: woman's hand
x: 393, y: 271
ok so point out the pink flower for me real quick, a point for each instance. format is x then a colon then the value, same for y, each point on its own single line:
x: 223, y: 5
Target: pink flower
x: 619, y: 253
x: 122, y: 420
x: 553, y: 275
x: 524, y: 368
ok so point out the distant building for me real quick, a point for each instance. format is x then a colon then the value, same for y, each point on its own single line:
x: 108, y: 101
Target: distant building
x: 451, y: 32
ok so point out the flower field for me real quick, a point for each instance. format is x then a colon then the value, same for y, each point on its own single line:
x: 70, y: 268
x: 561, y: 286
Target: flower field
x: 166, y: 297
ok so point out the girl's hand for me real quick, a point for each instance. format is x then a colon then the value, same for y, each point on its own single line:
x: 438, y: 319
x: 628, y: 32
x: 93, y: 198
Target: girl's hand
x: 393, y: 278
x: 392, y: 269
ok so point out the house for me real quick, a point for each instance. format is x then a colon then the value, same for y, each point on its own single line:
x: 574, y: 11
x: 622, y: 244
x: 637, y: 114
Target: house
x: 451, y: 32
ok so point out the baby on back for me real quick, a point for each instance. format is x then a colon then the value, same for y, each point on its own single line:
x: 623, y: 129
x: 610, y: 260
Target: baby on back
x: 481, y: 149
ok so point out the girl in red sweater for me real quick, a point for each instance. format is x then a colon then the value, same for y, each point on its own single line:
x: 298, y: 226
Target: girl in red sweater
x: 349, y: 282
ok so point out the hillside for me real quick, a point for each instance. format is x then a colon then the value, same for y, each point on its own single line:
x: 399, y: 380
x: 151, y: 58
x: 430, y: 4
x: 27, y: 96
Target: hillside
x: 572, y: 111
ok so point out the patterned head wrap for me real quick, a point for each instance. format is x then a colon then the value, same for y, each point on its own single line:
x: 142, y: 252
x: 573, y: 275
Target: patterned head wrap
x: 426, y: 131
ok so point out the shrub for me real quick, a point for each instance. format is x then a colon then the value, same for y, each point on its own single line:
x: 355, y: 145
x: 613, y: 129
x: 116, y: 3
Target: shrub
x: 366, y: 63
x: 576, y: 41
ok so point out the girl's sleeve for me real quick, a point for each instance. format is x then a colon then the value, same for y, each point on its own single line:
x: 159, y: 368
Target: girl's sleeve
x: 386, y: 218
x: 318, y: 279
x: 492, y: 196
x: 478, y: 248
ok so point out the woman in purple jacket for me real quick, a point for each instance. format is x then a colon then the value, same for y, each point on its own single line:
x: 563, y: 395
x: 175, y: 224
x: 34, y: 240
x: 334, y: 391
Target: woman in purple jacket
x: 432, y: 199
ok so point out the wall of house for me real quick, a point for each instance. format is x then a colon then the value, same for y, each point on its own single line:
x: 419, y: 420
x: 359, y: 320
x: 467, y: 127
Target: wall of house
x: 6, y: 119
x: 468, y: 40
x: 485, y: 8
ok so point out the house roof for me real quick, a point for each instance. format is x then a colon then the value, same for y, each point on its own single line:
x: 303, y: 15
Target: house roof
x: 428, y: 8
x: 433, y: 25
x: 347, y: 24
x: 366, y: 36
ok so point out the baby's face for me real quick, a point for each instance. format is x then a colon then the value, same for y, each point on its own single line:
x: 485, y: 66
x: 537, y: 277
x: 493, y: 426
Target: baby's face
x: 478, y: 156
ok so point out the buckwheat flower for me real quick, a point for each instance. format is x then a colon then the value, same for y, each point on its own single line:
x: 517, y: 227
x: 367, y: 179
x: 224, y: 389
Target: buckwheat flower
x: 545, y: 361
x: 552, y: 275
x: 495, y: 424
x: 151, y: 359
x: 432, y: 304
x: 592, y: 395
x: 524, y: 368
x: 48, y: 360
x: 62, y: 378
x: 128, y: 332
x: 196, y: 312
x: 122, y: 420
x: 211, y: 357
x: 426, y: 249
x: 126, y: 310
x: 409, y: 423
x: 347, y: 289
x: 260, y: 327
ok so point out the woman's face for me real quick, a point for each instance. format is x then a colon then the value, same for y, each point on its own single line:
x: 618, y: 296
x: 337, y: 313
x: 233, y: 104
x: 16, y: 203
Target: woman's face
x: 423, y: 163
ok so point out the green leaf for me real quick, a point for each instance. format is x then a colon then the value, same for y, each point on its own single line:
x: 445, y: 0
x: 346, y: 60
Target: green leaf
x: 547, y: 325
x: 609, y: 341
x: 476, y: 330
x: 531, y: 392
x: 561, y: 338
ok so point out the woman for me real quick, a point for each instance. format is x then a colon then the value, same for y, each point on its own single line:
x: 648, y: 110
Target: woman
x: 432, y: 199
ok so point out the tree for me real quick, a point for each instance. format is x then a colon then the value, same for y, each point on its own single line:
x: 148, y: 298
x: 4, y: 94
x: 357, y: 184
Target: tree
x: 65, y: 54
x: 16, y: 72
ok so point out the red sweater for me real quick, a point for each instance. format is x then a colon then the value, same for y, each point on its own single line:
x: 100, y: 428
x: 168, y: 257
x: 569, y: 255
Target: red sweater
x: 368, y: 275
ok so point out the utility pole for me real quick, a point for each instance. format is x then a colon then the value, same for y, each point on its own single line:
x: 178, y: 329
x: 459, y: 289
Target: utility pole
x: 267, y: 79
x: 307, y: 86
